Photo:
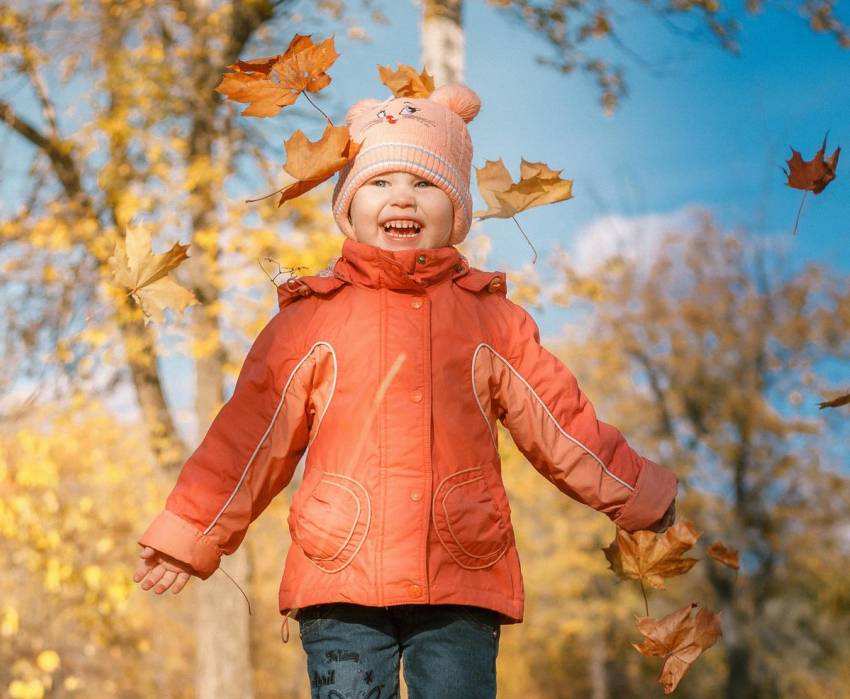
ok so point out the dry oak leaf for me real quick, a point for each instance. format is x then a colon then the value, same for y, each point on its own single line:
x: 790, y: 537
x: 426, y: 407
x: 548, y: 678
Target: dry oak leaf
x: 134, y: 266
x: 813, y: 175
x: 835, y: 402
x: 406, y: 82
x: 678, y: 639
x: 300, y: 68
x: 538, y: 185
x: 648, y: 556
x: 726, y: 556
x: 313, y: 163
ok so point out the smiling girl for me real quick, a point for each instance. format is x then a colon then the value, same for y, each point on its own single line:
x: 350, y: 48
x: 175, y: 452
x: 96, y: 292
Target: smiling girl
x: 393, y: 369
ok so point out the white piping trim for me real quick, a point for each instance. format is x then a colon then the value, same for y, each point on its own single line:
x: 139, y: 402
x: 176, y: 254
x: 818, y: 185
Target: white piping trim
x: 496, y: 555
x: 475, y: 393
x: 356, y: 522
x: 271, y: 424
x: 353, y: 526
x: 452, y: 531
x: 543, y: 405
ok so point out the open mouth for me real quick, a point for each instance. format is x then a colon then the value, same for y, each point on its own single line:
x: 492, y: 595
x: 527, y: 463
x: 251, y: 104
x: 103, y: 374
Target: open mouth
x: 401, y: 230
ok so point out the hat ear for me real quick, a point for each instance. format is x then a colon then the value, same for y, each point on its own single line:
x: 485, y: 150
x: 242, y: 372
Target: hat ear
x: 459, y: 99
x: 359, y: 108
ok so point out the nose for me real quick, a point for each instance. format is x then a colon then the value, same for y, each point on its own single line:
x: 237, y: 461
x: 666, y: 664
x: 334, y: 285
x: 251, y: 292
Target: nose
x: 404, y: 196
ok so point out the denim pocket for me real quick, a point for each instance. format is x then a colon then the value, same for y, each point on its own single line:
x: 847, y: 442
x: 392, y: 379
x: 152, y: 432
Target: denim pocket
x: 485, y: 619
x: 314, y: 617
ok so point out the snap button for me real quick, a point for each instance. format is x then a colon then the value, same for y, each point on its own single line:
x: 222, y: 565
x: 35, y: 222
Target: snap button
x: 414, y: 591
x: 416, y: 396
x: 417, y: 302
x: 494, y: 284
x: 421, y: 259
x: 416, y: 495
x: 459, y: 269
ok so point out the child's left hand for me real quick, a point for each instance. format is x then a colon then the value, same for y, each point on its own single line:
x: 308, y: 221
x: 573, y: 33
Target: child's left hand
x: 663, y: 524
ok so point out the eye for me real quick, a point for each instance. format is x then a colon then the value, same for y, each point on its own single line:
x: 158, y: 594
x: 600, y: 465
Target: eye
x: 382, y: 114
x: 407, y: 109
x: 425, y: 182
x: 377, y: 182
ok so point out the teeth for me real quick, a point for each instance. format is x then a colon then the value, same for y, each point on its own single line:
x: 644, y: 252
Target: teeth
x: 402, y: 225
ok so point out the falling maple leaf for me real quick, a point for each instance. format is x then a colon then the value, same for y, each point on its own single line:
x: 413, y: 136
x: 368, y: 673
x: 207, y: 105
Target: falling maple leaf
x: 813, y: 175
x: 835, y: 402
x: 134, y: 266
x: 538, y: 185
x: 648, y: 556
x: 406, y: 82
x: 678, y: 639
x: 726, y: 556
x: 313, y: 163
x: 301, y: 68
x: 810, y: 175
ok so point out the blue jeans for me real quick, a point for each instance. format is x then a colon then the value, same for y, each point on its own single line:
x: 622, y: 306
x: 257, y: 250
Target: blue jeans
x: 353, y: 652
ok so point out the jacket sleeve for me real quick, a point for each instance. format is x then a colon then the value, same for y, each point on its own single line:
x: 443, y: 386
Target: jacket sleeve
x: 246, y: 458
x: 554, y: 425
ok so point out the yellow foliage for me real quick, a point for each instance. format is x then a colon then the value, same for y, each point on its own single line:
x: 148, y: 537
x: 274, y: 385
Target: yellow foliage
x: 48, y: 660
x: 26, y: 689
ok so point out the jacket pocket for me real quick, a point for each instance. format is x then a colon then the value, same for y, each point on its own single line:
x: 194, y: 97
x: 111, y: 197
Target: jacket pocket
x: 467, y: 520
x: 330, y: 521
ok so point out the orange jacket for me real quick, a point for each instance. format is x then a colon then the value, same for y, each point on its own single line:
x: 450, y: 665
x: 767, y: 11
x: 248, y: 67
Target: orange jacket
x: 394, y: 370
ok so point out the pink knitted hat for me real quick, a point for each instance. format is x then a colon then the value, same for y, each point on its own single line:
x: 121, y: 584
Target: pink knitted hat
x: 426, y: 137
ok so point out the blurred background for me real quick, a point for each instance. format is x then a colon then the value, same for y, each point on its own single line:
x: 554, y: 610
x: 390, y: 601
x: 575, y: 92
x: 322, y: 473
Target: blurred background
x: 671, y: 284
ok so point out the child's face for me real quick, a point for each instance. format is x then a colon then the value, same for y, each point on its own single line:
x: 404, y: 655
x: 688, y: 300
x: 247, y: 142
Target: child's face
x: 398, y: 197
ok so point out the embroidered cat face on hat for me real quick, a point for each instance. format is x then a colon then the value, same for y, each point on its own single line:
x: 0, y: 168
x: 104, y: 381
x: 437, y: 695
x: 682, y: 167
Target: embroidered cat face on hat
x: 426, y: 137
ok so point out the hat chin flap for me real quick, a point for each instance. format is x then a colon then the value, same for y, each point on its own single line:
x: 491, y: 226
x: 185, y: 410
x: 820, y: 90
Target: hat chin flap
x: 459, y: 99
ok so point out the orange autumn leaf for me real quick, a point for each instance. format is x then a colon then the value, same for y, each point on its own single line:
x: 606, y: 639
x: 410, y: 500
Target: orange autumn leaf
x: 313, y: 163
x: 304, y: 64
x: 812, y: 175
x: 835, y: 402
x: 134, y: 266
x: 269, y: 84
x: 406, y: 82
x: 648, y: 556
x: 726, y: 556
x: 678, y: 639
x: 538, y: 185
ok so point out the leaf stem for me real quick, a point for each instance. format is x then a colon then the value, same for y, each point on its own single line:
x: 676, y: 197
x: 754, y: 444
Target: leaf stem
x: 643, y: 590
x: 307, y: 97
x: 107, y: 305
x: 799, y: 211
x: 534, y: 261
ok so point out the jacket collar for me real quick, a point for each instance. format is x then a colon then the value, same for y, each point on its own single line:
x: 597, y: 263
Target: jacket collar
x: 372, y: 267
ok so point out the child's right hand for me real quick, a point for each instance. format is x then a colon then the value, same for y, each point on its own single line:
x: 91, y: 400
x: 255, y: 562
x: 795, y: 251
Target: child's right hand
x: 162, y: 570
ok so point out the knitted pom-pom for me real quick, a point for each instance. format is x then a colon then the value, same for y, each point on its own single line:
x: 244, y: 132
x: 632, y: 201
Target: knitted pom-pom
x: 359, y: 108
x: 460, y: 99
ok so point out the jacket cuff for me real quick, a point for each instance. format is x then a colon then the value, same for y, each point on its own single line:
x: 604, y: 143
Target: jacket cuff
x: 655, y: 490
x: 173, y: 535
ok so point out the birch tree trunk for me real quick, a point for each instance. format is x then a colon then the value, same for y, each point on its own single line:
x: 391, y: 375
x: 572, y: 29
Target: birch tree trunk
x: 442, y: 40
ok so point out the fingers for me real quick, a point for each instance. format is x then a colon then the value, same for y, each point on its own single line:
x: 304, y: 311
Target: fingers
x: 160, y: 572
x: 182, y: 579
